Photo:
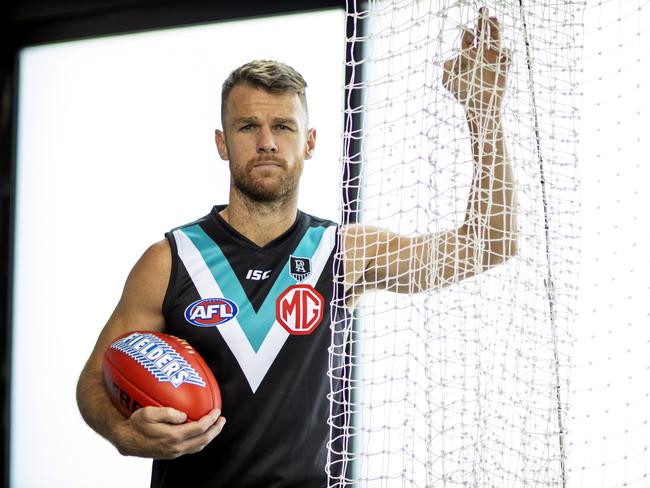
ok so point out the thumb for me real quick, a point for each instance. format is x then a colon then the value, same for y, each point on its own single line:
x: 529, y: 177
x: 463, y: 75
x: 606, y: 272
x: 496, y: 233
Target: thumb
x: 448, y: 66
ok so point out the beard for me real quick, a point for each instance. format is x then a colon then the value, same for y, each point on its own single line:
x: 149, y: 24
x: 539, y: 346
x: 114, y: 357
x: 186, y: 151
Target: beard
x: 265, y: 187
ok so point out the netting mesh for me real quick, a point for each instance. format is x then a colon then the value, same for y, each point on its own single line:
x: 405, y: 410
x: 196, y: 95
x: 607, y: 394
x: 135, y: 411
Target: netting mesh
x: 465, y: 384
x: 608, y: 421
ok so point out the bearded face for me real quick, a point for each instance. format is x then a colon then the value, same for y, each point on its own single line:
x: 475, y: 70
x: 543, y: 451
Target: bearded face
x: 266, y: 142
x: 265, y: 180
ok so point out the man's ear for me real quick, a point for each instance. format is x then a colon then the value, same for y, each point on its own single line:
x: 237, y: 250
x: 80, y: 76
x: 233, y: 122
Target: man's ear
x: 220, y: 140
x: 310, y: 146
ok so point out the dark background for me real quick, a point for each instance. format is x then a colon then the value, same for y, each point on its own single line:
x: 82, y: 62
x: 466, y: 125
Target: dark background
x: 29, y: 22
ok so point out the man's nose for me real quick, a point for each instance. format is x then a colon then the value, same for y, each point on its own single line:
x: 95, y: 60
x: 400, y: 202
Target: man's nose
x: 266, y: 142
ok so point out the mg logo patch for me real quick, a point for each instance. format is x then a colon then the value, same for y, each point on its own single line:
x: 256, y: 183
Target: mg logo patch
x: 299, y: 309
x: 299, y: 268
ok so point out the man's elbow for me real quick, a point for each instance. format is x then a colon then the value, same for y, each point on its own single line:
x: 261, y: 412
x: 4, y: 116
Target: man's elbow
x: 510, y: 248
x: 500, y: 252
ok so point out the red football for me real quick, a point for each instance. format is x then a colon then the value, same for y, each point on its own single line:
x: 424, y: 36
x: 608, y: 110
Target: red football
x: 144, y: 369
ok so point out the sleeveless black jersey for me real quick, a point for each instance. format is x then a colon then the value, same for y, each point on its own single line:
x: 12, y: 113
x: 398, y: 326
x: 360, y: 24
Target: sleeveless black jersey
x: 260, y: 317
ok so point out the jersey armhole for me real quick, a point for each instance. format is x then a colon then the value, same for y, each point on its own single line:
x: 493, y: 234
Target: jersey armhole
x: 172, y: 275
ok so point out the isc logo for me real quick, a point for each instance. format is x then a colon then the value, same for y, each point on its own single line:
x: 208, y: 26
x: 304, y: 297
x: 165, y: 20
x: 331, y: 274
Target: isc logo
x: 257, y: 275
x: 209, y: 312
x: 299, y: 309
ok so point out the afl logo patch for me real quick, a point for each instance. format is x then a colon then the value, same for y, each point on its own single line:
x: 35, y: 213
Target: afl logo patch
x: 210, y: 312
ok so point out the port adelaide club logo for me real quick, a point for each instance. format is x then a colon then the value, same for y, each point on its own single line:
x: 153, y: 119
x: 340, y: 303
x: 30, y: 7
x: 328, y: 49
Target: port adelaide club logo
x: 299, y: 268
x: 210, y: 312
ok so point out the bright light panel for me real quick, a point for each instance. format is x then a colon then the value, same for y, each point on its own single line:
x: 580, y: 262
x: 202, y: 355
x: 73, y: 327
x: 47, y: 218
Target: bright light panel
x: 115, y: 147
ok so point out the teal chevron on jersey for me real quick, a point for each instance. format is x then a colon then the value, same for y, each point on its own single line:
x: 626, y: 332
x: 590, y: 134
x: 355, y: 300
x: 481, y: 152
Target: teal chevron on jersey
x: 279, y: 390
x: 255, y: 325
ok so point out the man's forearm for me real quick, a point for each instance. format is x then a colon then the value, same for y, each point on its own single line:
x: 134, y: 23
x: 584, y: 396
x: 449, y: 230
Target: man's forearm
x: 95, y: 405
x: 491, y: 218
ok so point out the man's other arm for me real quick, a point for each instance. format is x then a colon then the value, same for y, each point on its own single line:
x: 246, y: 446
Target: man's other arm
x: 151, y: 432
x: 381, y: 259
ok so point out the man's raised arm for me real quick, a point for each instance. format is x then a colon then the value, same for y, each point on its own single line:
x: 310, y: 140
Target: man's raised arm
x: 381, y: 259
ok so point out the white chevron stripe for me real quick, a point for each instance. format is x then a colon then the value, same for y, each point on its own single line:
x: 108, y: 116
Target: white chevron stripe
x: 254, y: 365
x: 321, y: 255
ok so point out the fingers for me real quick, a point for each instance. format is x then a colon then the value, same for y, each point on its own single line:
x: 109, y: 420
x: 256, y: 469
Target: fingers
x: 488, y: 32
x: 193, y: 429
x: 194, y: 436
x: 495, y: 30
x: 162, y: 435
x: 156, y: 421
x: 446, y: 72
x: 488, y: 29
x: 451, y: 66
x: 161, y: 415
x: 495, y: 41
x: 482, y: 60
x: 467, y: 39
x: 197, y: 443
x: 451, y: 69
x: 482, y: 25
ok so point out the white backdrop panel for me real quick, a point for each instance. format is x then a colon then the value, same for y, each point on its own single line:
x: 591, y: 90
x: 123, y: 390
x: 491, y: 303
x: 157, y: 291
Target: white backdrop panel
x: 115, y: 147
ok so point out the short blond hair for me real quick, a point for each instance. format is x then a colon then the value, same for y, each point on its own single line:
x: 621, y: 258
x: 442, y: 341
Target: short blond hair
x: 272, y: 76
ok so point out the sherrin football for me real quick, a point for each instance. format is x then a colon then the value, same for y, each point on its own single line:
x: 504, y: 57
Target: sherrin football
x: 144, y: 369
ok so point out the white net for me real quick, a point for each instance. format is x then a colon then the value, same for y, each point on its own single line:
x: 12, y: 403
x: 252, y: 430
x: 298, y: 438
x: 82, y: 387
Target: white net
x: 467, y: 384
x: 608, y: 421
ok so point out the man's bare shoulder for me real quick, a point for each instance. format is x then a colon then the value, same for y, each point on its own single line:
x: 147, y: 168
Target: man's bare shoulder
x: 159, y: 253
x: 157, y: 257
x: 150, y: 274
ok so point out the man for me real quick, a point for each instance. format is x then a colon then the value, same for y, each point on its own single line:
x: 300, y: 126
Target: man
x: 261, y: 252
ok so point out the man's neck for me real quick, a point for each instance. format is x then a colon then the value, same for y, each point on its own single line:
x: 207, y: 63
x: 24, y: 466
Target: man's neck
x: 260, y: 222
